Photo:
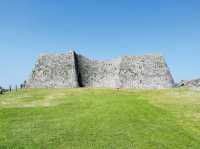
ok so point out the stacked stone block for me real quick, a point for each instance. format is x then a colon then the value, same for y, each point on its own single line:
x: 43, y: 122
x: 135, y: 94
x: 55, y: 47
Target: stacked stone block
x: 73, y: 70
x: 54, y: 71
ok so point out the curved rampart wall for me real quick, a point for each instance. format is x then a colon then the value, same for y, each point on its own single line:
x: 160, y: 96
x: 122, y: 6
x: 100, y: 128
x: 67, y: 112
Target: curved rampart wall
x: 99, y: 73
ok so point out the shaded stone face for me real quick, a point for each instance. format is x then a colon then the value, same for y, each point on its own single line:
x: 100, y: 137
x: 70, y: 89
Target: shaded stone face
x: 99, y: 73
x: 73, y: 70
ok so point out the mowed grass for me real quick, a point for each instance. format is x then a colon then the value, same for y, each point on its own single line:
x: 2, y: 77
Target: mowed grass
x: 100, y: 119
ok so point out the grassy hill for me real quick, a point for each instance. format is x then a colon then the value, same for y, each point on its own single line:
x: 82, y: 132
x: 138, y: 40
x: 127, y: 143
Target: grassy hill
x: 100, y: 119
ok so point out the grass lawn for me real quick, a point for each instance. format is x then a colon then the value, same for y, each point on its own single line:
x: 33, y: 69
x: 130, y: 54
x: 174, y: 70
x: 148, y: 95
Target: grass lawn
x: 100, y: 119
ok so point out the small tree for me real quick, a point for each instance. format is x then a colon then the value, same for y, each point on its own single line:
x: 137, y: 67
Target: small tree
x: 10, y: 88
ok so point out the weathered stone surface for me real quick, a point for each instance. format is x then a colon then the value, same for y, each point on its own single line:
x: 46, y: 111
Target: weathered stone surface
x: 149, y: 71
x: 73, y: 70
x: 191, y: 83
x: 99, y: 73
x: 54, y: 71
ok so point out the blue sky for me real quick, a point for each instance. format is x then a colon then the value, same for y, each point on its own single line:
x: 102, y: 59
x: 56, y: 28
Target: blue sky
x: 101, y: 29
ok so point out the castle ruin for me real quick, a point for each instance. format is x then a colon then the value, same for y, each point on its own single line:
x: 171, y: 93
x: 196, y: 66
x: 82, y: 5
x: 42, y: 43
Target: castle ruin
x: 72, y: 70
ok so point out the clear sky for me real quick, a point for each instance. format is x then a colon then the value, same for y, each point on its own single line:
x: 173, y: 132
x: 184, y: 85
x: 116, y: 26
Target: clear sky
x: 101, y: 29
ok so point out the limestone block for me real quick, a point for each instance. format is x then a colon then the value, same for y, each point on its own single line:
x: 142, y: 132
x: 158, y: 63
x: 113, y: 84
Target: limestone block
x: 54, y: 71
x: 74, y: 70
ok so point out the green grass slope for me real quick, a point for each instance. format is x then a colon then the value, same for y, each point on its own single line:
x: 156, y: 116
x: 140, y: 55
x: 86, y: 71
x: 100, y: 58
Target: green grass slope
x: 100, y: 119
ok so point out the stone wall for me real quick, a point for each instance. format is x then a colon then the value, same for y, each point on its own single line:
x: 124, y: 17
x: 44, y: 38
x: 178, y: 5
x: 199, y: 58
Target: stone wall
x: 149, y: 71
x: 54, y: 71
x: 195, y: 84
x: 99, y: 73
x: 73, y: 70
